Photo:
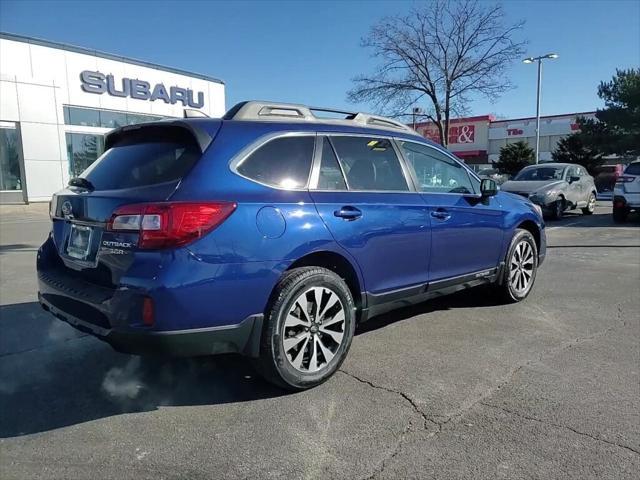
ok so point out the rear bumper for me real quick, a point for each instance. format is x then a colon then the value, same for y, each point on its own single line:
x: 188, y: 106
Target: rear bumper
x: 242, y: 338
x: 626, y: 200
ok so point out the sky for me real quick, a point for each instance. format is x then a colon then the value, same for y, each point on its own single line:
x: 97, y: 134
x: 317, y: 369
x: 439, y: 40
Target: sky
x: 308, y: 52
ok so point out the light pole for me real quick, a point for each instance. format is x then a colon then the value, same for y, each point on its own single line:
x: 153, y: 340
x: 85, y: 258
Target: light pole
x: 539, y: 60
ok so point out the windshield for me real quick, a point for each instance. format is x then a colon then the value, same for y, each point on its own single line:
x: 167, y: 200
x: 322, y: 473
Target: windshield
x: 540, y: 173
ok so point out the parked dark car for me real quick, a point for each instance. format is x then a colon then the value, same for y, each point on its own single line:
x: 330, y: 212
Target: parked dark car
x: 272, y: 233
x: 556, y: 187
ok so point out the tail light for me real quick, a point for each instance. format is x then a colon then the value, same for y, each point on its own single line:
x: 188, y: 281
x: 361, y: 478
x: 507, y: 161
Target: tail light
x: 169, y: 224
x: 624, y: 179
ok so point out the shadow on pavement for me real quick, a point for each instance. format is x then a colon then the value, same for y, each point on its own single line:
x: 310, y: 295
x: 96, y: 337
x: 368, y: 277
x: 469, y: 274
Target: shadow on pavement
x: 72, y: 378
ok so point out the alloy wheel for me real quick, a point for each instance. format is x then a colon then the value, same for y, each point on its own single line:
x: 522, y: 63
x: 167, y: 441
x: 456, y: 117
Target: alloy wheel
x: 521, y: 267
x: 591, y: 206
x: 313, y: 329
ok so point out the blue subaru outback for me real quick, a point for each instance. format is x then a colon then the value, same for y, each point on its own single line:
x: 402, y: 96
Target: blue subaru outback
x: 272, y: 232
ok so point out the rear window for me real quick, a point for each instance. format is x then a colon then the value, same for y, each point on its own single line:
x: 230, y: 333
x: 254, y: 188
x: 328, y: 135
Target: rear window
x: 140, y: 161
x: 284, y: 162
x: 633, y: 169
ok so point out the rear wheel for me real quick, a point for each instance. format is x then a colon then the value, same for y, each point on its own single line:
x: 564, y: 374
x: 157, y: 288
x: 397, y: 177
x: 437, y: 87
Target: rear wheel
x: 520, y: 268
x: 591, y: 205
x: 308, y: 329
x: 620, y: 214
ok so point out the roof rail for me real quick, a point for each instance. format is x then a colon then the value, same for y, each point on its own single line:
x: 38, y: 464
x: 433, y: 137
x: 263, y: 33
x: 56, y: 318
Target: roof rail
x: 193, y: 113
x: 275, y: 111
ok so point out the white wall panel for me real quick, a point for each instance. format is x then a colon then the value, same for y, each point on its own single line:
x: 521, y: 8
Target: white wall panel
x: 37, y: 103
x: 8, y: 101
x: 43, y: 179
x: 14, y: 59
x: 40, y: 141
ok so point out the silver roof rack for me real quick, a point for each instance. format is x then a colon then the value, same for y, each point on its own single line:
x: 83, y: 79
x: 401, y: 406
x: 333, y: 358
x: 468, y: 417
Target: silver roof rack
x: 192, y: 113
x: 287, y: 112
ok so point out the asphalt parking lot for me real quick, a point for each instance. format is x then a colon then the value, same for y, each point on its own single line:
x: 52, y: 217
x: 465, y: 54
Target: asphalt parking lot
x: 455, y: 388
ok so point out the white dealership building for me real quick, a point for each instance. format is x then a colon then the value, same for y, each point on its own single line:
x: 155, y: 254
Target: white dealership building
x: 57, y: 102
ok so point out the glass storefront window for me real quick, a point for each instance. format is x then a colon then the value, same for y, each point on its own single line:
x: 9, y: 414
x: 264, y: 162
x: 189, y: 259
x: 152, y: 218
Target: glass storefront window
x: 85, y: 117
x: 92, y: 117
x: 9, y: 159
x: 82, y: 150
x: 111, y: 119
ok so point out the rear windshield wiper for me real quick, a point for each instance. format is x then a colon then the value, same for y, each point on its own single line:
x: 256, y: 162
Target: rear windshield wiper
x: 82, y: 183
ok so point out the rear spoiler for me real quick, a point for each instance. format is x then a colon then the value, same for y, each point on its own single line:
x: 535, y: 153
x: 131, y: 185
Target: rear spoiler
x: 199, y: 134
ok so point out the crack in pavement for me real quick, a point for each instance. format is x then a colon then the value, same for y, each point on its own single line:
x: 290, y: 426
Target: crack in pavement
x: 481, y: 400
x: 426, y: 421
x: 557, y: 425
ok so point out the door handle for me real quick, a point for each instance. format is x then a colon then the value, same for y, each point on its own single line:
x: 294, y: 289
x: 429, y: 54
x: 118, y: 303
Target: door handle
x: 441, y: 214
x: 348, y: 213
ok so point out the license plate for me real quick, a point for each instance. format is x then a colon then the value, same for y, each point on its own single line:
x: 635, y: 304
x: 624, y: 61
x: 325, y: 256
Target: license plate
x: 79, y: 242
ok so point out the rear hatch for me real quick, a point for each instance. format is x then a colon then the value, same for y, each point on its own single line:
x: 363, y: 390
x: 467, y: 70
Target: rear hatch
x: 142, y: 163
x: 632, y: 178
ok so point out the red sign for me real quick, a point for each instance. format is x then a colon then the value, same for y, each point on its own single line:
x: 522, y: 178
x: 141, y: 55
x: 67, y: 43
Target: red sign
x: 462, y: 134
x: 514, y: 131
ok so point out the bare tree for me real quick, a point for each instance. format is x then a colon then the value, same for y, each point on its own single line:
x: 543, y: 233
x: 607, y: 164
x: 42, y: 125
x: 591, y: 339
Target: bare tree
x: 443, y: 52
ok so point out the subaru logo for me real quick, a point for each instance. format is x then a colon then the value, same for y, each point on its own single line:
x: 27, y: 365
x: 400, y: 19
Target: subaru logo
x: 67, y: 209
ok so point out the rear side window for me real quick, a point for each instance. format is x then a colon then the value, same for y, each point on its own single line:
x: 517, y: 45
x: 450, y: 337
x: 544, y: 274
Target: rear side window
x: 633, y: 169
x: 140, y: 164
x: 284, y: 162
x: 330, y: 174
x: 369, y: 163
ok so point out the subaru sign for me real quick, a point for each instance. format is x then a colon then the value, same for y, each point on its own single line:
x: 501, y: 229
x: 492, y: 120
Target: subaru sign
x: 96, y: 82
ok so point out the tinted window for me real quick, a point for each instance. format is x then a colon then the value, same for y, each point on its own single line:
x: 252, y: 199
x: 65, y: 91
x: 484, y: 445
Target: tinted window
x: 284, y: 162
x: 435, y: 171
x: 330, y: 174
x: 633, y: 169
x: 142, y: 162
x: 369, y: 163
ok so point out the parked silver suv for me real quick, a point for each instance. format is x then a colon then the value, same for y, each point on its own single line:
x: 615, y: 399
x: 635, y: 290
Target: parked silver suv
x: 626, y: 193
x: 556, y: 187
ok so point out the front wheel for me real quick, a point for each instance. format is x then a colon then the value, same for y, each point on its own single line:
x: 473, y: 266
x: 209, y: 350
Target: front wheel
x: 308, y: 329
x: 521, y: 265
x: 591, y: 205
x: 557, y: 209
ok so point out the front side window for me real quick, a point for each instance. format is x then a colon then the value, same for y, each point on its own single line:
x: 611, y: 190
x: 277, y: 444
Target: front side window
x: 284, y: 162
x: 370, y: 164
x: 435, y: 171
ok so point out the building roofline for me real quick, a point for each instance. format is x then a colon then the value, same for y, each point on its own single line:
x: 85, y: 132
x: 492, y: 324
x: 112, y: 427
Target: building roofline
x: 492, y: 120
x: 109, y: 56
x: 543, y: 117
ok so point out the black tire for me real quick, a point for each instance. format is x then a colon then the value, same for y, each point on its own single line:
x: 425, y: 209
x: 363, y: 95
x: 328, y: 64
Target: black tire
x: 591, y: 205
x: 504, y: 287
x: 620, y: 214
x: 274, y: 364
x: 558, y: 208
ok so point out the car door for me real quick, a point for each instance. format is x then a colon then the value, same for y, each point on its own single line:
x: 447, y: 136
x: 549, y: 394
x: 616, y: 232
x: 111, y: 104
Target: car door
x: 466, y: 230
x: 586, y: 185
x: 574, y: 188
x: 362, y: 193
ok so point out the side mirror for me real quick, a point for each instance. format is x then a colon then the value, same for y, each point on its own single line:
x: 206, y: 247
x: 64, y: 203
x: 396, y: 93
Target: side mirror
x: 574, y: 178
x: 488, y: 187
